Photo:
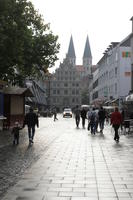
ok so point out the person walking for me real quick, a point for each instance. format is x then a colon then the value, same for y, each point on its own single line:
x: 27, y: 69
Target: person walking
x: 77, y: 116
x: 83, y: 116
x: 31, y: 120
x: 55, y: 114
x: 88, y: 117
x: 93, y: 121
x: 116, y: 120
x: 15, y: 132
x: 101, y: 117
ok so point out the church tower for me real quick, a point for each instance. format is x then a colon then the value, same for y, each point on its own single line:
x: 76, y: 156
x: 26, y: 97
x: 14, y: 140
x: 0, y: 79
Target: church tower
x: 87, y: 57
x: 71, y: 52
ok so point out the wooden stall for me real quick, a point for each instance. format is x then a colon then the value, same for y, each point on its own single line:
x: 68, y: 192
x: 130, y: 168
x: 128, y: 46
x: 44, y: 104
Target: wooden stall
x: 14, y: 105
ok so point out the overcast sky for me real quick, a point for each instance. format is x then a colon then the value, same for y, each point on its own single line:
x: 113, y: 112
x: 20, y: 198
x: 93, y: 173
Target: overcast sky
x: 104, y: 21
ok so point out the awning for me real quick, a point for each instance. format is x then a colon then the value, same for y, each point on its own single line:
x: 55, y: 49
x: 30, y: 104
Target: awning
x: 106, y: 102
x: 114, y: 100
x: 129, y: 97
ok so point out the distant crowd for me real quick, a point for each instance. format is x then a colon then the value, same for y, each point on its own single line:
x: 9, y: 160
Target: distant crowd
x: 97, y: 117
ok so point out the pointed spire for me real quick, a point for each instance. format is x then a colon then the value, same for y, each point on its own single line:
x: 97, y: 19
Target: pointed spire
x: 87, y: 50
x: 71, y: 51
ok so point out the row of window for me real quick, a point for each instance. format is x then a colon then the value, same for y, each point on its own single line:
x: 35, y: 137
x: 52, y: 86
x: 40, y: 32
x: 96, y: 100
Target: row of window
x: 66, y: 78
x: 66, y: 92
x: 57, y: 84
x: 108, y: 75
x: 59, y: 100
x: 109, y: 91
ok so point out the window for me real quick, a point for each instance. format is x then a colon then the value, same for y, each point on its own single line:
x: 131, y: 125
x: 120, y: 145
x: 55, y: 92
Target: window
x: 73, y: 91
x: 65, y: 91
x: 65, y: 84
x: 116, y: 70
x: 58, y: 91
x: 77, y: 91
x: 54, y: 91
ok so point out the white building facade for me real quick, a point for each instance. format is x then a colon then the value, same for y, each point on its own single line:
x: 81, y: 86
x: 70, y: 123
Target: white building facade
x: 114, y: 75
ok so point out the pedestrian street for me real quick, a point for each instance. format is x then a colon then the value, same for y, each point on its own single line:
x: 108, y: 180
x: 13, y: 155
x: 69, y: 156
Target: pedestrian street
x: 77, y: 165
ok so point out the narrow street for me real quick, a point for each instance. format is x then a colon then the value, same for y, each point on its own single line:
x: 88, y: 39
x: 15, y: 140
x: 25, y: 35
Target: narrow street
x: 66, y: 163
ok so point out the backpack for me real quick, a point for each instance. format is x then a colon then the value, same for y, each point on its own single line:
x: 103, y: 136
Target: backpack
x: 92, y: 117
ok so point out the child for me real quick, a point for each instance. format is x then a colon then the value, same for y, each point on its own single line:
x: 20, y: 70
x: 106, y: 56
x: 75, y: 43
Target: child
x: 15, y: 132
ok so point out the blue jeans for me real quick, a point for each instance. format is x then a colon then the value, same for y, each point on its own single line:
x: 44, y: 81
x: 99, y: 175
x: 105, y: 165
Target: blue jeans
x: 31, y: 132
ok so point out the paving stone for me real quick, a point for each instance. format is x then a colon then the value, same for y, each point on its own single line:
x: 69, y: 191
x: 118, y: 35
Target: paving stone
x: 71, y: 164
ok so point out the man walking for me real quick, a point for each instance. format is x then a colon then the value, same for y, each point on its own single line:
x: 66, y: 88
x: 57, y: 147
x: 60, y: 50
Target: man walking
x: 83, y: 116
x: 55, y: 114
x: 116, y: 120
x: 93, y: 121
x: 101, y: 117
x: 31, y: 120
x: 77, y: 116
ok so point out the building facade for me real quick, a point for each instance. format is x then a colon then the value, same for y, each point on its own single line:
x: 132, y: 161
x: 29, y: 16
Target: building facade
x: 69, y: 81
x: 114, y: 72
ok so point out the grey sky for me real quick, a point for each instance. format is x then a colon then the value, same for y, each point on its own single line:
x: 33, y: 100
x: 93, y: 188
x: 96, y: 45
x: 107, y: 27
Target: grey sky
x: 104, y: 21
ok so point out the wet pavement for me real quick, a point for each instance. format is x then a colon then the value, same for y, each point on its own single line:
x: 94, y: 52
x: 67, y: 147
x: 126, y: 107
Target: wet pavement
x: 66, y: 163
x: 14, y: 160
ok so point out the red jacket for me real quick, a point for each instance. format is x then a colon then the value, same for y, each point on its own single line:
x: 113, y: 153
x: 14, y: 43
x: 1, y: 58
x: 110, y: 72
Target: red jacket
x: 116, y: 118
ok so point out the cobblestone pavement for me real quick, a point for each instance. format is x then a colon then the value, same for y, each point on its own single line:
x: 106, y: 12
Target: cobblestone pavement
x: 75, y: 165
x: 14, y: 160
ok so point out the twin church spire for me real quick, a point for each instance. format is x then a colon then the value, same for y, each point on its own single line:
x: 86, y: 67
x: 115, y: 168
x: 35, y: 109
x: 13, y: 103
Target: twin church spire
x: 87, y: 56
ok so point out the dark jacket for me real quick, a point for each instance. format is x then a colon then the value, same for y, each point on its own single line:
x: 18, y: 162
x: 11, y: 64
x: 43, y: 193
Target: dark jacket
x: 31, y: 119
x: 16, y: 130
x: 101, y: 114
x: 83, y: 113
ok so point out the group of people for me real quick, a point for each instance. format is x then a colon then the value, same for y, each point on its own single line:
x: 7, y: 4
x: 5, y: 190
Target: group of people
x: 97, y: 117
x: 31, y: 120
x: 94, y: 118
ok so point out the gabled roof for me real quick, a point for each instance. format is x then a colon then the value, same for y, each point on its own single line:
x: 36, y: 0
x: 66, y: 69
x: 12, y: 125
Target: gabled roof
x: 18, y: 91
x: 87, y: 50
x: 71, y: 50
x: 80, y: 68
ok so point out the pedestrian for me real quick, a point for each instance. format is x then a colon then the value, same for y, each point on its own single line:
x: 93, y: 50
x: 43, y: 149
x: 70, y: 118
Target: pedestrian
x: 83, y: 116
x: 31, y: 120
x: 123, y: 118
x: 77, y: 116
x: 116, y: 120
x: 101, y: 117
x: 88, y: 116
x: 55, y: 114
x: 15, y: 132
x: 96, y: 120
x: 93, y: 121
x: 107, y: 117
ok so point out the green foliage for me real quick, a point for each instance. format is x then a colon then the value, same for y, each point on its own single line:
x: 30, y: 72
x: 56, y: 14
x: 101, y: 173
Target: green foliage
x: 27, y: 46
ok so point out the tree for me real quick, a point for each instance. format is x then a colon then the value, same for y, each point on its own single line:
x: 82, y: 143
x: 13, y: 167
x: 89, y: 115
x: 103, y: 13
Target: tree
x: 85, y: 97
x: 27, y: 45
